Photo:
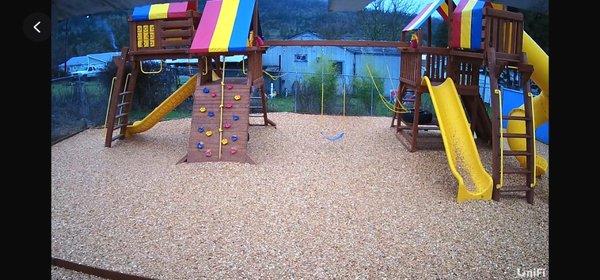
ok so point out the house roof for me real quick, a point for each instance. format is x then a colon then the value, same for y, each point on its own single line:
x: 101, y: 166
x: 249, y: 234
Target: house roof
x: 92, y: 58
x: 374, y: 50
x: 306, y: 36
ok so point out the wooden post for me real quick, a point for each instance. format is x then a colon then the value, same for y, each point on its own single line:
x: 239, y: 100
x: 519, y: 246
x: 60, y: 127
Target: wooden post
x: 450, y: 12
x: 496, y: 112
x: 429, y: 32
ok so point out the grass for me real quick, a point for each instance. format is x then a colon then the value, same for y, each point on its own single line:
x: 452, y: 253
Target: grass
x: 281, y: 104
x: 137, y: 115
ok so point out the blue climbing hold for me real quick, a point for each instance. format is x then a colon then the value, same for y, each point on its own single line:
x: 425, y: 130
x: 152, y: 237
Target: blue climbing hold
x: 200, y: 146
x: 206, y: 90
x: 236, y: 118
x: 234, y: 138
x: 334, y: 138
x: 211, y: 114
x: 201, y: 129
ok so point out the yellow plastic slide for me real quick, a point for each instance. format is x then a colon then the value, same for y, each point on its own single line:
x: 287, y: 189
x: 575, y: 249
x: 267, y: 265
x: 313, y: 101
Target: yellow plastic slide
x: 539, y: 59
x: 182, y: 93
x: 462, y: 154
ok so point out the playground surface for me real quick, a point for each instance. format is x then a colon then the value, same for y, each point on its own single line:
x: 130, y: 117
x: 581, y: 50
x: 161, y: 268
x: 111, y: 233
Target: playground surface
x: 360, y: 207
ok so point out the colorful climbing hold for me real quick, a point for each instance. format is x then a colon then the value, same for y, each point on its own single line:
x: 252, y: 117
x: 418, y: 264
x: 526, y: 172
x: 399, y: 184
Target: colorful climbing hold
x: 200, y: 145
x: 201, y: 129
x: 208, y: 153
x: 209, y: 133
x: 211, y: 114
x: 237, y: 97
x: 236, y: 118
x: 206, y: 90
x: 233, y: 151
x: 213, y: 94
x: 227, y: 125
x: 224, y: 141
x: 202, y: 109
x: 229, y: 87
x: 228, y: 105
x: 234, y: 138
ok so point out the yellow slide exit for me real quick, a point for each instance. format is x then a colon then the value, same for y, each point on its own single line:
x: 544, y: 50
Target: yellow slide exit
x: 539, y: 59
x: 461, y: 151
x: 180, y: 95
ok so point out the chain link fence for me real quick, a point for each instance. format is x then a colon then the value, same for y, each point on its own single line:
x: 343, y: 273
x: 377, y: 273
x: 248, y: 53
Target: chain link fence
x: 79, y: 104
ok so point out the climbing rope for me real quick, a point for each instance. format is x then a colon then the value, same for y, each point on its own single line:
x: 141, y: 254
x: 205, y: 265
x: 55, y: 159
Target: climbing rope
x: 385, y: 102
x: 221, y: 108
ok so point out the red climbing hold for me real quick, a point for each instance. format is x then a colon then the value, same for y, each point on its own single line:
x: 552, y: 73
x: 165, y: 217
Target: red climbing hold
x: 228, y: 105
x: 233, y: 151
x: 227, y: 125
x: 229, y: 87
x: 213, y: 94
x: 208, y: 153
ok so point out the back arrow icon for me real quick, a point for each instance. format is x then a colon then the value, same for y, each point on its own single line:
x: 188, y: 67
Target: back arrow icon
x: 35, y: 27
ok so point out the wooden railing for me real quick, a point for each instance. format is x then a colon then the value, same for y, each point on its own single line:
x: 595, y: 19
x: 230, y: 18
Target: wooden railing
x: 440, y: 63
x: 436, y: 63
x: 503, y: 32
x: 464, y: 70
x: 410, y: 67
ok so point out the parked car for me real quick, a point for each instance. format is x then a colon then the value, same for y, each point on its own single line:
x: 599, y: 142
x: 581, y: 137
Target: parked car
x: 90, y: 71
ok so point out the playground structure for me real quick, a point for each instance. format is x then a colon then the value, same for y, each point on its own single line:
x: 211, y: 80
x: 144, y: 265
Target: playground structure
x: 481, y: 34
x: 221, y: 113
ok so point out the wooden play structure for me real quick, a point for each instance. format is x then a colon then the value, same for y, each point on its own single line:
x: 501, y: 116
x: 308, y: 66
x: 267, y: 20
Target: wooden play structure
x: 481, y: 34
x: 221, y: 113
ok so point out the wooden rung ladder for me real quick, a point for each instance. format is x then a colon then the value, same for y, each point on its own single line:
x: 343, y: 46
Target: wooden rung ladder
x: 500, y: 152
x: 120, y: 98
x: 258, y: 107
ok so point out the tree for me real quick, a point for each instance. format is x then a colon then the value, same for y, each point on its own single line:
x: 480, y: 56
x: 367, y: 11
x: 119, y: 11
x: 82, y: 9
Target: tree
x: 384, y: 20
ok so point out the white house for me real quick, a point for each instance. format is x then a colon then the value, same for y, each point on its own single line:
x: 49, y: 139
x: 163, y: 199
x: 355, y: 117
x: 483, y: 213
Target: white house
x: 296, y: 62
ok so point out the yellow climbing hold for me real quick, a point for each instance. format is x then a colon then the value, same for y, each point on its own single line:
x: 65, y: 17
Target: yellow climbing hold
x: 202, y: 109
x: 209, y: 133
x: 237, y: 97
x: 224, y: 141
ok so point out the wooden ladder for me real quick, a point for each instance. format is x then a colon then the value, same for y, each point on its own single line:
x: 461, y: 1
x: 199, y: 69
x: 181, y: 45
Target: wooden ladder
x: 500, y: 153
x: 258, y: 106
x: 120, y: 98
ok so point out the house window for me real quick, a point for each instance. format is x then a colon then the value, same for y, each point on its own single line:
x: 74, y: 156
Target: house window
x: 300, y: 58
x: 339, y: 66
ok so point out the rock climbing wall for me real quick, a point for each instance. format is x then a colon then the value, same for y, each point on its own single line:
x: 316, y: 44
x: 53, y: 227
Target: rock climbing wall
x: 209, y: 134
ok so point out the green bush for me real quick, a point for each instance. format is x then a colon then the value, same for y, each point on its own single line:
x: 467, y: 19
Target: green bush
x: 323, y: 82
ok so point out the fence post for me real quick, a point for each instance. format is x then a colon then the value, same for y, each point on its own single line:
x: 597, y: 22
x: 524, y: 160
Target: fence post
x: 371, y: 100
x: 83, y: 103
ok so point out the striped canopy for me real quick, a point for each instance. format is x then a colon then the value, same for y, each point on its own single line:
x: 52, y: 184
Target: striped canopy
x: 467, y: 24
x: 426, y: 12
x: 224, y: 26
x: 163, y: 11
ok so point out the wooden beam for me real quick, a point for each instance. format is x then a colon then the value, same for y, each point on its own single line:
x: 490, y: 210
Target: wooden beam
x: 429, y: 32
x: 335, y: 43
